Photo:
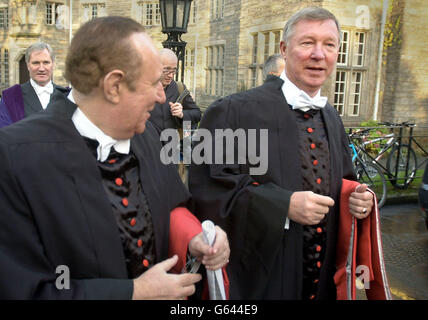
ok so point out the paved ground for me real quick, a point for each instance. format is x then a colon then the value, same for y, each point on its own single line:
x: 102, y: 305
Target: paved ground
x: 405, y: 244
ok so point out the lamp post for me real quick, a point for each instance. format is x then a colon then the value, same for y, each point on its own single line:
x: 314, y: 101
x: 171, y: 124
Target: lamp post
x: 175, y: 17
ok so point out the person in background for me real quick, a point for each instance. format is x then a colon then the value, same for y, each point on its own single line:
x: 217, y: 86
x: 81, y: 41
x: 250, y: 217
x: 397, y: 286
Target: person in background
x: 179, y: 106
x: 274, y: 66
x: 171, y: 113
x: 20, y: 101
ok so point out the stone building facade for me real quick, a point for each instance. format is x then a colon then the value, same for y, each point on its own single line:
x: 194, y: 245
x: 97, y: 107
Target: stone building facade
x: 229, y: 40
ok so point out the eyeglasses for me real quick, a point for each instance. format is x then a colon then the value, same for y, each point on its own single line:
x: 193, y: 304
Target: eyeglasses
x: 168, y: 71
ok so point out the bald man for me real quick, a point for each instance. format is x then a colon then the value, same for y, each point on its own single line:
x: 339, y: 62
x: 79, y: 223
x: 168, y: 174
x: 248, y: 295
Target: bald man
x: 171, y: 114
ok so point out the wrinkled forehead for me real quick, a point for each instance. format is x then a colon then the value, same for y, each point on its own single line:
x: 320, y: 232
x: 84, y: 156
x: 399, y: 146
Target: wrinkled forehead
x: 327, y: 27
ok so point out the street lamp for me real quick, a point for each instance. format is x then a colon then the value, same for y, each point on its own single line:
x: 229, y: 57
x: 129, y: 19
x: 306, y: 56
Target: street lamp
x: 175, y: 17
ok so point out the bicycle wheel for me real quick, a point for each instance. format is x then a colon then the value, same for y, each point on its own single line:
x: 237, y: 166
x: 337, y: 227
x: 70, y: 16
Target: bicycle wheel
x: 372, y: 176
x: 402, y: 180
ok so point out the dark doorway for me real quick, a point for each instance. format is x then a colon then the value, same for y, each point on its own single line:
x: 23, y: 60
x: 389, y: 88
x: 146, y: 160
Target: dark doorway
x: 24, y: 76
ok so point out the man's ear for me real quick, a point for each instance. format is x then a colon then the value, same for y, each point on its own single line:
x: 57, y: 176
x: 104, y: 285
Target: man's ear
x: 112, y: 83
x: 283, y: 48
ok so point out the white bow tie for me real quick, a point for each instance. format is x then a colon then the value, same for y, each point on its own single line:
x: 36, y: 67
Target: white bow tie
x: 304, y: 102
x: 47, y: 88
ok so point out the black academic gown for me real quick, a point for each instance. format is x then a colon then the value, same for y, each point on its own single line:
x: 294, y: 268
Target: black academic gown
x: 266, y: 260
x: 55, y: 211
x: 161, y: 115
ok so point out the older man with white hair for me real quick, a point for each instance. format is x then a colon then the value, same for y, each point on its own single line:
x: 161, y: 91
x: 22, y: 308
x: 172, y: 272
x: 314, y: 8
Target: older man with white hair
x: 172, y: 113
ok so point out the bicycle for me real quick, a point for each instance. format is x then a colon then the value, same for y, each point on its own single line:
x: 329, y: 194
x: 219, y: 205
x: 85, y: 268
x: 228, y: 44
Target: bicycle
x: 370, y: 174
x: 401, y: 163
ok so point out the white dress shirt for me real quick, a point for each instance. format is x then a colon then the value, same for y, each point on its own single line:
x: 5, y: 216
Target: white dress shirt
x: 44, y: 93
x: 87, y: 129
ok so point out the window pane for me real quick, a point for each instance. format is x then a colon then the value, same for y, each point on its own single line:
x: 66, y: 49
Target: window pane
x: 149, y: 14
x: 4, y: 18
x: 255, y: 45
x: 266, y: 47
x: 339, y: 93
x: 253, y: 77
x: 359, y: 47
x: 6, y: 67
x: 277, y: 41
x: 94, y: 11
x: 342, y: 58
x: 355, y: 93
x: 48, y: 13
x: 157, y: 14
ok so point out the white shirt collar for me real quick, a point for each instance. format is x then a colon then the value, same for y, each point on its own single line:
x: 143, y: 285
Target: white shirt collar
x: 43, y: 93
x: 48, y: 88
x: 88, y: 129
x: 291, y: 91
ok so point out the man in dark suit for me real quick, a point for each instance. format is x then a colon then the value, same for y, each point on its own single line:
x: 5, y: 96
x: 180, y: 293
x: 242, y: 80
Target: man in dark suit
x: 20, y: 101
x: 94, y: 214
x: 282, y: 223
x: 171, y: 113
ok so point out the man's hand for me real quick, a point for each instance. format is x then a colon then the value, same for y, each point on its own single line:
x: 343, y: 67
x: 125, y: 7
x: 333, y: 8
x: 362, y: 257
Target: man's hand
x: 156, y: 283
x: 308, y: 208
x: 361, y: 202
x: 214, y: 257
x: 176, y: 109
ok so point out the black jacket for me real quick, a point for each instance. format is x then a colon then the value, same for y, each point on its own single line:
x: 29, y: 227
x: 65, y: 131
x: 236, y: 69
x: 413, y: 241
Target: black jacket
x: 161, y: 115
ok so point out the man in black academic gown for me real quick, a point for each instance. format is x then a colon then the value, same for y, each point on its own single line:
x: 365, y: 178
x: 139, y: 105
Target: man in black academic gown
x: 281, y: 212
x: 86, y: 205
x: 20, y: 101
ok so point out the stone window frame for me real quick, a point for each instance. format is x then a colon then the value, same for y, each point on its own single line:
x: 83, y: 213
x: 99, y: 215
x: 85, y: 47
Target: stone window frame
x: 215, y: 76
x: 143, y: 13
x: 193, y: 19
x: 217, y: 10
x: 4, y: 18
x: 189, y: 67
x: 51, y: 14
x: 96, y: 9
x: 263, y: 43
x: 4, y: 68
x: 351, y: 72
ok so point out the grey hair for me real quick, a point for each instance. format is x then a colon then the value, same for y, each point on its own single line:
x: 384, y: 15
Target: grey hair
x: 312, y: 14
x: 271, y: 64
x: 167, y: 52
x: 39, y: 46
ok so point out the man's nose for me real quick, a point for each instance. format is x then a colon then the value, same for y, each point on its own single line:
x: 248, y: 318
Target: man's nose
x: 318, y: 52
